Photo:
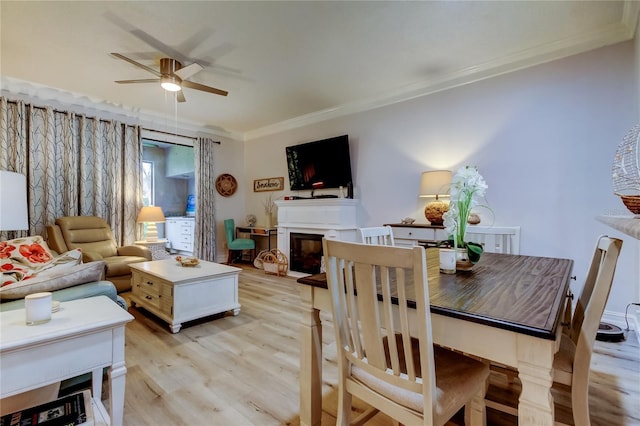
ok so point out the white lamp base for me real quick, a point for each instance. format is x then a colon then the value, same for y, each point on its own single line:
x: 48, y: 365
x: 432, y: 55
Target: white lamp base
x: 152, y: 231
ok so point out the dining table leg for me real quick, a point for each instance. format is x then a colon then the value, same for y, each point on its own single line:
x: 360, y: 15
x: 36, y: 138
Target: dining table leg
x: 310, y: 360
x: 535, y: 370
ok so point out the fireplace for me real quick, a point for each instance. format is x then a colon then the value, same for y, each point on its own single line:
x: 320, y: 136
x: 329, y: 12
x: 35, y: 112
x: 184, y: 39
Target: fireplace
x: 332, y: 218
x: 305, y: 252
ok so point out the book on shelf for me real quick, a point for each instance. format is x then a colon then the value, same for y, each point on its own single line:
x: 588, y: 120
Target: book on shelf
x: 70, y: 410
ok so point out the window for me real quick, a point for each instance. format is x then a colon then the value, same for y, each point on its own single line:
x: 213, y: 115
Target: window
x: 147, y: 183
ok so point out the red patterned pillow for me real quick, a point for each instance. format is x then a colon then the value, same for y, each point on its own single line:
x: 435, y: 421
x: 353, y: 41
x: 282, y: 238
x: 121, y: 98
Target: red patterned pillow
x: 24, y: 258
x: 29, y: 251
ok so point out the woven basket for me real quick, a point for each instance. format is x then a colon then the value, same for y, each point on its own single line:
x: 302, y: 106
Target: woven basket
x: 632, y: 202
x: 275, y: 262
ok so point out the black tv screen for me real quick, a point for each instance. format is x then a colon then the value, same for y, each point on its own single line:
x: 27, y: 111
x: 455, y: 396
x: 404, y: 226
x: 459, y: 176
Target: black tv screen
x: 321, y: 164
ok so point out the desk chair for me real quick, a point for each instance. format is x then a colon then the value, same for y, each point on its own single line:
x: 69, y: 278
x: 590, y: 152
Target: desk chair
x: 380, y: 235
x: 379, y: 362
x: 571, y: 365
x: 237, y: 244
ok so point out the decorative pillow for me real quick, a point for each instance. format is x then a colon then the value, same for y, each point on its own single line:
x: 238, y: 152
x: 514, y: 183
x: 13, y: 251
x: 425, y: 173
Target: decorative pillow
x: 54, y: 279
x: 29, y: 251
x: 15, y: 268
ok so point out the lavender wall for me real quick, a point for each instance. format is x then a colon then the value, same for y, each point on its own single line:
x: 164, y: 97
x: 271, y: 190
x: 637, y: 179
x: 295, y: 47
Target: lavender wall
x: 544, y: 139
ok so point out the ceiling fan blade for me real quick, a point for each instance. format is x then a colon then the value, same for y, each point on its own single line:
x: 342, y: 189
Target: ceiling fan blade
x: 146, y: 80
x: 180, y: 96
x: 137, y: 64
x: 188, y: 71
x: 197, y: 86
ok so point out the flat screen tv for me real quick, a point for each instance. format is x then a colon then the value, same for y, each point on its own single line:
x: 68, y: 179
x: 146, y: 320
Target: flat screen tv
x: 320, y: 164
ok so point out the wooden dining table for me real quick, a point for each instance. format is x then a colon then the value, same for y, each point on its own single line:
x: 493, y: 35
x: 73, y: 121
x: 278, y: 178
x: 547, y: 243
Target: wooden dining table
x: 507, y: 310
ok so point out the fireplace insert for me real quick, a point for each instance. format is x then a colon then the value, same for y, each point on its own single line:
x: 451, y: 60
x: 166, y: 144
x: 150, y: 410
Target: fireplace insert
x: 305, y: 252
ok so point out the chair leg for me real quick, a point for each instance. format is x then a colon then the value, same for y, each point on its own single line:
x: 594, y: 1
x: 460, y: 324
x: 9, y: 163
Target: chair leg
x: 229, y: 257
x: 344, y: 407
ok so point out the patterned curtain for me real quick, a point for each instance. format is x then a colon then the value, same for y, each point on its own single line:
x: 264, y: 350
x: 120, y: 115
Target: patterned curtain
x: 75, y: 166
x: 205, y: 226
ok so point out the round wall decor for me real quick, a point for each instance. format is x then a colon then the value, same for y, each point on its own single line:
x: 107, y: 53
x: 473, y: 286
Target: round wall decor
x: 226, y: 185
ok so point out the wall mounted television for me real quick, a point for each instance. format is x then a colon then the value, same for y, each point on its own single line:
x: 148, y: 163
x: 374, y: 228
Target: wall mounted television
x: 324, y: 163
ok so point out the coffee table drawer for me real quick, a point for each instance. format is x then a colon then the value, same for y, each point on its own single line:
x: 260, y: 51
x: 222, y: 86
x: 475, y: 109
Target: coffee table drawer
x: 154, y: 292
x: 147, y: 283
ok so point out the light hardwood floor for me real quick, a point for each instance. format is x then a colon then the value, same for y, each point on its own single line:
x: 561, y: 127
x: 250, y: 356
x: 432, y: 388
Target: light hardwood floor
x: 243, y: 370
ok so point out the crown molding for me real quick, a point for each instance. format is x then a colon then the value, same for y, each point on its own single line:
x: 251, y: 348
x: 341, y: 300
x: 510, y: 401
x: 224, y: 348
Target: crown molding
x: 616, y: 33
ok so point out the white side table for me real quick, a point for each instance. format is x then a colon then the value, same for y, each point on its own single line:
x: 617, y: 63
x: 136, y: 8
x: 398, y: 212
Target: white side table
x: 157, y: 248
x: 85, y: 335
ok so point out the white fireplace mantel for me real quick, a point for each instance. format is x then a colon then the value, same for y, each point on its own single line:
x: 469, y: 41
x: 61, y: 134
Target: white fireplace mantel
x: 334, y: 218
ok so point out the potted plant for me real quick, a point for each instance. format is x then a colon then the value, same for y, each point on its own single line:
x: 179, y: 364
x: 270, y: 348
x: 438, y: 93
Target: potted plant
x: 468, y: 188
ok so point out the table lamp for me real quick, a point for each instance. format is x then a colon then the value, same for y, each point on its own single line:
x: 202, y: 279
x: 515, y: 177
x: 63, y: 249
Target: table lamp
x: 435, y: 184
x: 14, y: 215
x: 151, y: 215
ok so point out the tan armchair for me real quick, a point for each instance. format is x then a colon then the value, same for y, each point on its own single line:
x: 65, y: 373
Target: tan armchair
x: 93, y: 236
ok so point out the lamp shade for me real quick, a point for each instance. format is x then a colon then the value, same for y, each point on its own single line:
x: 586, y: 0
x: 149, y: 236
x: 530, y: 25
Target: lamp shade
x: 435, y: 183
x: 151, y: 214
x: 13, y: 201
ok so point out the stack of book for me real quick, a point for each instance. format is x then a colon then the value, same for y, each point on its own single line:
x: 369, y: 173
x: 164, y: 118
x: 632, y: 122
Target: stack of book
x: 70, y: 410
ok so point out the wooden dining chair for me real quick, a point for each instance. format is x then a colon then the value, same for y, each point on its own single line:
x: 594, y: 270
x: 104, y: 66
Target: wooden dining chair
x: 380, y: 235
x: 572, y: 362
x: 386, y: 356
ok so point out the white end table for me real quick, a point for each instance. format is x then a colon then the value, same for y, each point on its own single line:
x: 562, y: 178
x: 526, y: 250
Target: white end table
x: 157, y: 248
x: 85, y: 335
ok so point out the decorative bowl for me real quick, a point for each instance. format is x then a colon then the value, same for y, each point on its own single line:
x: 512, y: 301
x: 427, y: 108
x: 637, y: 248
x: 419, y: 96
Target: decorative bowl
x: 632, y: 202
x: 187, y: 261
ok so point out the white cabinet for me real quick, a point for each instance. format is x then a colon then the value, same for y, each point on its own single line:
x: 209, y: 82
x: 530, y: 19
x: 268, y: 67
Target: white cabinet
x: 179, y: 232
x: 411, y: 235
x: 494, y: 239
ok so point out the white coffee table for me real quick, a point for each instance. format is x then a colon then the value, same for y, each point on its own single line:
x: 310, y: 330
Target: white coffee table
x: 85, y: 335
x: 177, y: 294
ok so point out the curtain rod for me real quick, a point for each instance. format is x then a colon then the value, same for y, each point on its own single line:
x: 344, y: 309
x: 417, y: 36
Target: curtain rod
x: 12, y: 101
x: 176, y: 134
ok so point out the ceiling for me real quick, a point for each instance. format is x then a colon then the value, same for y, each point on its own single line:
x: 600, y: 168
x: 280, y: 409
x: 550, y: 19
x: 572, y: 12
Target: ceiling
x: 287, y: 63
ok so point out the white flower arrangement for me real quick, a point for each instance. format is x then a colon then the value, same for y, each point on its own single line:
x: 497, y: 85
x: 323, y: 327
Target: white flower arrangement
x: 468, y: 189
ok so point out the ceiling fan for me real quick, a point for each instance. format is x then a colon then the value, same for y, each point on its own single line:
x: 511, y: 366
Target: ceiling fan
x: 172, y: 76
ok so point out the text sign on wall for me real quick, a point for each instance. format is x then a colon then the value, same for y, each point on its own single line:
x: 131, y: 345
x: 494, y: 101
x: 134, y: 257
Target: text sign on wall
x: 268, y: 184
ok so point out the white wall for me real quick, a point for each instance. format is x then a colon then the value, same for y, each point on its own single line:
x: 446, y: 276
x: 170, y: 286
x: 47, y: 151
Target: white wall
x: 229, y: 158
x: 543, y: 138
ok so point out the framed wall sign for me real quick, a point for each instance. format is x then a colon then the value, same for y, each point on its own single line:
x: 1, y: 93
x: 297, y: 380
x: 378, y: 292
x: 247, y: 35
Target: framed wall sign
x: 268, y: 184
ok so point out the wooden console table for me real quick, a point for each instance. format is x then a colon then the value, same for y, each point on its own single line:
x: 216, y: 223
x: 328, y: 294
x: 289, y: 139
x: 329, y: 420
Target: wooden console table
x: 494, y: 239
x: 85, y: 335
x: 254, y: 232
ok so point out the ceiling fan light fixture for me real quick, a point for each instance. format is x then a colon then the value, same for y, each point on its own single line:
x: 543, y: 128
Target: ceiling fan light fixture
x: 170, y: 83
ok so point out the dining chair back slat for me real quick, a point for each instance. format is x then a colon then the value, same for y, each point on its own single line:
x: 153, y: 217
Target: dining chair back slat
x: 385, y: 349
x: 378, y: 235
